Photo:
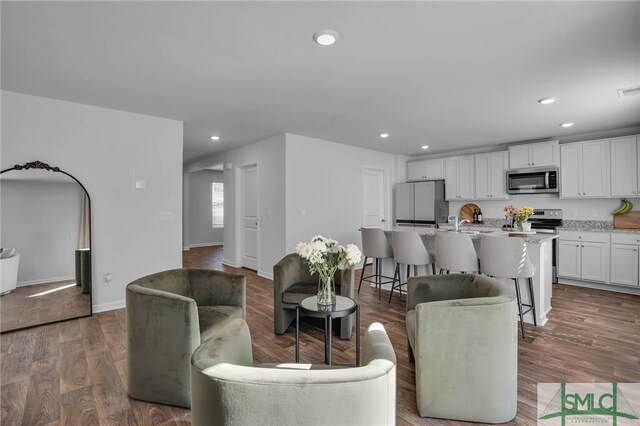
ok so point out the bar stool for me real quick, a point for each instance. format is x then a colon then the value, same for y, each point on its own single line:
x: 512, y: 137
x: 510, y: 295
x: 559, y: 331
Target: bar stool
x: 408, y: 249
x: 508, y: 258
x: 375, y: 245
x: 455, y: 252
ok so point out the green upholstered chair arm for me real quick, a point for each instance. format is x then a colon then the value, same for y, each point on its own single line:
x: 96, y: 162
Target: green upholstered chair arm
x: 168, y: 324
x: 430, y: 288
x: 346, y: 280
x: 210, y: 288
x: 228, y: 394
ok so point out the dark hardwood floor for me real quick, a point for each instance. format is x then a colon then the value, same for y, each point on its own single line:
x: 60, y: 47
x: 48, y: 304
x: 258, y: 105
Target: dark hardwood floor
x: 74, y: 372
x: 42, y: 303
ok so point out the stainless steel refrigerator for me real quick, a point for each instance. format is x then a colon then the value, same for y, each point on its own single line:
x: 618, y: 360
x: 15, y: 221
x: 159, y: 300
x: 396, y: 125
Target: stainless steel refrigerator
x: 421, y: 203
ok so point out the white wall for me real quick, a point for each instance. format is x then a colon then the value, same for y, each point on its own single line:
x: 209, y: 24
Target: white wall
x: 325, y: 180
x: 41, y: 220
x: 199, y: 229
x: 104, y: 149
x: 269, y: 156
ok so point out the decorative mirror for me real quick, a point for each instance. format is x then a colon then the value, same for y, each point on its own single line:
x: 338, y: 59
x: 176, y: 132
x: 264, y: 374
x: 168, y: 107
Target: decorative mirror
x: 45, y: 235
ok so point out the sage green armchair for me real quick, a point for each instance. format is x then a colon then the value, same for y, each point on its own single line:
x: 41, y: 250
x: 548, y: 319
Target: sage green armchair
x: 464, y: 338
x: 293, y: 282
x: 168, y: 314
x: 228, y: 390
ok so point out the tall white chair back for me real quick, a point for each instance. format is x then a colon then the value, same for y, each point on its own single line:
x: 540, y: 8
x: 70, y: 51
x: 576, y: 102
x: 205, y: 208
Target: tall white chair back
x: 409, y: 249
x: 505, y: 257
x: 508, y: 258
x: 455, y: 252
x: 375, y: 245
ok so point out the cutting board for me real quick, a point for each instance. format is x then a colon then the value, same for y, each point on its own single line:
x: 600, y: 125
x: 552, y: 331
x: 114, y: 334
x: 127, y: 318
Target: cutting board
x: 466, y: 212
x: 629, y: 220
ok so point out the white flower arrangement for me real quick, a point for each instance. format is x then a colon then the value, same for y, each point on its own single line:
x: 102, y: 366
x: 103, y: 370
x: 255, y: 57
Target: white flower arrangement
x: 325, y: 256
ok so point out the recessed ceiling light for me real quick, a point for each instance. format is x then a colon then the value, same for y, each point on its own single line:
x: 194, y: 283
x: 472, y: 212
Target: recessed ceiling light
x: 631, y: 91
x: 425, y: 147
x: 384, y: 135
x: 215, y: 138
x: 547, y: 101
x: 567, y: 124
x: 326, y: 37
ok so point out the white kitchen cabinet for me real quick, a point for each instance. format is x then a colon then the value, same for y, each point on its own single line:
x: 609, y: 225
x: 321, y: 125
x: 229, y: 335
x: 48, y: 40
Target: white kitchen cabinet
x: 584, y: 256
x: 584, y: 169
x: 534, y: 155
x: 425, y: 170
x: 490, y: 176
x: 625, y: 259
x: 625, y: 161
x: 459, y: 178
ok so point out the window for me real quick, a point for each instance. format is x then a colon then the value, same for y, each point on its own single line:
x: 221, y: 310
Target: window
x: 217, y: 204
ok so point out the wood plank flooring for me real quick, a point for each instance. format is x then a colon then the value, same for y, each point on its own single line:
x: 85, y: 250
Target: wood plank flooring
x: 41, y: 304
x: 74, y: 373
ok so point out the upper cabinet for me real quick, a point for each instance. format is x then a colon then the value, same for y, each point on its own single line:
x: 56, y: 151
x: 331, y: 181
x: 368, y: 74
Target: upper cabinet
x: 490, y: 176
x: 534, y: 155
x: 459, y: 177
x: 625, y: 161
x: 584, y: 169
x: 425, y: 170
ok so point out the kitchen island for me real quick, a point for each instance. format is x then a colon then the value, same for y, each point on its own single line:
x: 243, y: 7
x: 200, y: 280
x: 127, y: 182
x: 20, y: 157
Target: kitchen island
x: 539, y: 248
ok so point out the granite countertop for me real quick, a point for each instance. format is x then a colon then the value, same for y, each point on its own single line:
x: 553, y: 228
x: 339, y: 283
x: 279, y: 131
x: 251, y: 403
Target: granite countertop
x: 429, y: 231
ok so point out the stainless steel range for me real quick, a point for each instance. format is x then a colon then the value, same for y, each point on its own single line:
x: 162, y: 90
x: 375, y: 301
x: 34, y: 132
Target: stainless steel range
x: 546, y: 221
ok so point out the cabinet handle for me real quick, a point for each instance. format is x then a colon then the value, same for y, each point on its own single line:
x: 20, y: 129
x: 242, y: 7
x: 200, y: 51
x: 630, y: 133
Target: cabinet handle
x: 533, y: 164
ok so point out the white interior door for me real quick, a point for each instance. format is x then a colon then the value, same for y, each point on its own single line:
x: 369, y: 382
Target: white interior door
x: 249, y: 215
x: 374, y: 198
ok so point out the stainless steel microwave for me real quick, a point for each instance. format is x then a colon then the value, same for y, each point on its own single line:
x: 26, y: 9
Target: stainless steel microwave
x: 540, y: 180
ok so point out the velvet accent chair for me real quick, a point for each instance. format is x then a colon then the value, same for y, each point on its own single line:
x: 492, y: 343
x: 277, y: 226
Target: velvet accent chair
x: 461, y: 331
x: 293, y: 282
x: 168, y: 314
x: 228, y: 389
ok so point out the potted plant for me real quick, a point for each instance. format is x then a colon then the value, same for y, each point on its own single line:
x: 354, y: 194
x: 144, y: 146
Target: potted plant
x: 325, y: 256
x: 519, y: 217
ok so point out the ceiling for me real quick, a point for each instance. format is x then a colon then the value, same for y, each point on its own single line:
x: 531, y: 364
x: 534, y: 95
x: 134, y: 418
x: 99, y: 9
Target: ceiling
x: 452, y: 75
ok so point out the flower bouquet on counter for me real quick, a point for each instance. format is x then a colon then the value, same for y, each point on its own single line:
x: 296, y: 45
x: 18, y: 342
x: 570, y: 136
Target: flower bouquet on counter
x: 325, y: 256
x: 519, y: 216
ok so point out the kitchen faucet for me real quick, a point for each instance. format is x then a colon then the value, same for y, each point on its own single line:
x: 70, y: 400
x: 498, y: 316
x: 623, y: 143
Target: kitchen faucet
x: 458, y: 224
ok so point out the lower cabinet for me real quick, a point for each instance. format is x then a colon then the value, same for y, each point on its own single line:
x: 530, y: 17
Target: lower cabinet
x: 625, y: 259
x: 584, y: 256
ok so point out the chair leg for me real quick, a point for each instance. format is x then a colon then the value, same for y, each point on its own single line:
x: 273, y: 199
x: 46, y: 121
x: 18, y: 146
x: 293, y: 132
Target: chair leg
x: 441, y: 271
x: 433, y: 269
x: 379, y: 277
x: 393, y: 284
x: 410, y: 352
x: 533, y: 301
x: 364, y: 268
x: 519, y: 307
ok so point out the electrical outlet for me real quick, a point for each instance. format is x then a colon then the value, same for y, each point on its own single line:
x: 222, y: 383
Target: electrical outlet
x: 108, y: 278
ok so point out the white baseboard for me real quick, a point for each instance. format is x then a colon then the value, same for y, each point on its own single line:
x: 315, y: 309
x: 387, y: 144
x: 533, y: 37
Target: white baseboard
x: 103, y: 307
x: 190, y: 246
x: 44, y: 281
x: 229, y: 263
x: 186, y: 248
x: 267, y: 275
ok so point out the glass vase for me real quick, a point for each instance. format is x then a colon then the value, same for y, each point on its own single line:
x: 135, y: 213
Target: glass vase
x: 326, y: 291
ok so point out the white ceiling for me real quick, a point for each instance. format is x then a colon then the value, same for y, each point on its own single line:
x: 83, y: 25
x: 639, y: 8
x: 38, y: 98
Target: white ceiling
x: 453, y: 75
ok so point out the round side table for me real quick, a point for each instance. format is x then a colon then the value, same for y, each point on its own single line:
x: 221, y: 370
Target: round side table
x: 343, y: 307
